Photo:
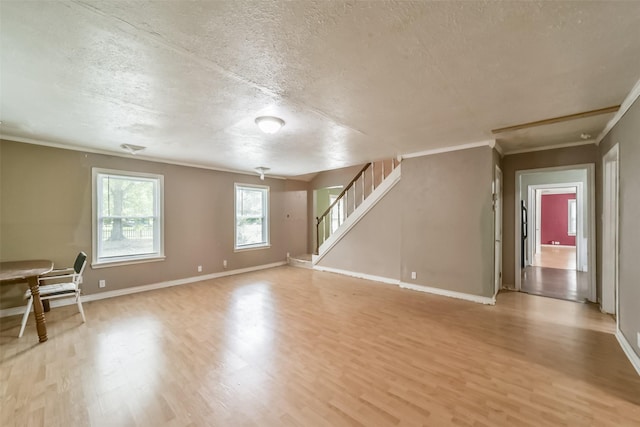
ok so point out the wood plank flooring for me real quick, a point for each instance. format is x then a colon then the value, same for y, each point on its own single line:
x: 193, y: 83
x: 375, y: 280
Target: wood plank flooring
x: 555, y: 257
x: 288, y: 346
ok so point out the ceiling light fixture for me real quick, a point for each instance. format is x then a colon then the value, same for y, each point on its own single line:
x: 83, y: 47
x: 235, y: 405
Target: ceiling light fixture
x: 132, y: 149
x: 585, y: 136
x: 261, y: 170
x: 269, y: 124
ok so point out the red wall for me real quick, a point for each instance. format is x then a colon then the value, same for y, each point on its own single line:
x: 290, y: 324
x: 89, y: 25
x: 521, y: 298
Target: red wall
x: 555, y: 219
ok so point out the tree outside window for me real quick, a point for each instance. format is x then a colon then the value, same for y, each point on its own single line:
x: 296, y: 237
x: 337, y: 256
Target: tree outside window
x: 127, y: 219
x: 252, y: 207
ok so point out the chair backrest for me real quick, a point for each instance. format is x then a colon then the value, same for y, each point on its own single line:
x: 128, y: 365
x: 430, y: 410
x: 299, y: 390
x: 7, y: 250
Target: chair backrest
x: 78, y: 267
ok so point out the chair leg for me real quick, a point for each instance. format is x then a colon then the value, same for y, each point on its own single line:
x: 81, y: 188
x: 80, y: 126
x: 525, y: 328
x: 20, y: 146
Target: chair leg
x: 25, y: 317
x: 80, y: 307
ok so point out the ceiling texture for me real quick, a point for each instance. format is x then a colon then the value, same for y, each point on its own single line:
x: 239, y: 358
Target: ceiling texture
x: 354, y: 81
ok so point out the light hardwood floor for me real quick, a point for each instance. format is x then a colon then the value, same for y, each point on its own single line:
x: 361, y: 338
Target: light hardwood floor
x: 553, y: 274
x: 291, y: 346
x: 555, y: 257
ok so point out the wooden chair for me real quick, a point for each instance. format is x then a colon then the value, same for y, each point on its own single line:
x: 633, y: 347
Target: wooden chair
x: 67, y: 284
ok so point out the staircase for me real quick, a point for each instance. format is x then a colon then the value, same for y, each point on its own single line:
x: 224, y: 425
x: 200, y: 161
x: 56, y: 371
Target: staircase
x: 369, y: 185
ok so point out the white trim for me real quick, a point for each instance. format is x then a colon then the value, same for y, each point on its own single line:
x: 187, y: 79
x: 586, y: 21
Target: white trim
x: 266, y: 215
x: 451, y: 294
x: 370, y: 277
x: 535, y: 219
x: 591, y: 250
x: 143, y: 288
x: 499, y: 149
x: 488, y: 143
x: 129, y: 261
x: 158, y: 230
x: 628, y: 350
x: 612, y: 156
x: 624, y: 107
x: 389, y: 182
x: 411, y: 286
x: 551, y: 147
x: 128, y: 155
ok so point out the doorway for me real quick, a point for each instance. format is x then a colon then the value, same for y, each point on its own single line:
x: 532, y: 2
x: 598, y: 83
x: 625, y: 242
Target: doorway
x: 555, y: 224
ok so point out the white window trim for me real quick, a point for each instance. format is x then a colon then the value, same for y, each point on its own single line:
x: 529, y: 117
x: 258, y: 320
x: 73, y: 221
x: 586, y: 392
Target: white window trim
x: 267, y: 215
x: 136, y: 259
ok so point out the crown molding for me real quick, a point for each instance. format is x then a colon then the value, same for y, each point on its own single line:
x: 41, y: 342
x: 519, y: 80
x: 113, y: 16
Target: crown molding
x: 624, y: 107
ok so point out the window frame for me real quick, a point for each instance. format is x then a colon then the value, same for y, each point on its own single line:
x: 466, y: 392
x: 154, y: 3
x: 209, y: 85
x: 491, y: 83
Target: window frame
x: 266, y: 206
x: 100, y: 261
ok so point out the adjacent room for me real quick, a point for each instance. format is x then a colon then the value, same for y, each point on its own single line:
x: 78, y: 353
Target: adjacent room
x: 334, y: 213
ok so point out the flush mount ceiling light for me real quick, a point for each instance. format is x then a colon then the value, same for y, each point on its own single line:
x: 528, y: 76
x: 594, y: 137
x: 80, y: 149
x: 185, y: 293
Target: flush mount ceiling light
x: 261, y: 170
x: 585, y: 136
x: 269, y: 124
x: 132, y: 149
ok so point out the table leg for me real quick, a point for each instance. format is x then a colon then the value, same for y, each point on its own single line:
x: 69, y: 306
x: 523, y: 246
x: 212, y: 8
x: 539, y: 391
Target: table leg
x: 37, y: 309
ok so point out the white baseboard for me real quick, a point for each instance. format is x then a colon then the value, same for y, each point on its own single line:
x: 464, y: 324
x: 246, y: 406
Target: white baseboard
x: 373, y: 278
x: 450, y: 294
x: 13, y: 311
x: 421, y: 288
x: 628, y: 350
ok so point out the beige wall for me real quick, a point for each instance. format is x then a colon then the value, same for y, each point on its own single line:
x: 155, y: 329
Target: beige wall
x: 582, y: 154
x: 45, y: 212
x: 333, y: 178
x: 440, y: 219
x: 372, y: 246
x: 447, y: 221
x: 626, y: 133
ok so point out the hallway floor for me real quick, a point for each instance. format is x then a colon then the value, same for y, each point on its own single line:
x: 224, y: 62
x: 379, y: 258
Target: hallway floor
x: 553, y: 274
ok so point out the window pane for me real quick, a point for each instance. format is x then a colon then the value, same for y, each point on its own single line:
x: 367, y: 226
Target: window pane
x: 251, y: 204
x: 251, y: 216
x: 128, y: 223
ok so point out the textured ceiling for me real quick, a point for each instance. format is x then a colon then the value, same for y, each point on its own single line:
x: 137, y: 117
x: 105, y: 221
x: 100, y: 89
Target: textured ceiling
x: 354, y: 81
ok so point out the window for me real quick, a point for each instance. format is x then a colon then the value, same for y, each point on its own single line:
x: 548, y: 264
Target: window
x: 252, y: 218
x: 337, y: 212
x: 573, y: 218
x: 127, y: 217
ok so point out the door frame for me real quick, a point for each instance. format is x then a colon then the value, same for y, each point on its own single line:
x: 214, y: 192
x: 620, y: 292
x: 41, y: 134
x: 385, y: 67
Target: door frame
x: 591, y: 230
x: 610, y: 232
x: 497, y: 232
x: 533, y: 222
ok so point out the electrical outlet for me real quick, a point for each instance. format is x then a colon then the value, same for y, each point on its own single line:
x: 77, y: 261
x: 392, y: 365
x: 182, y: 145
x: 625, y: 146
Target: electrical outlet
x: 102, y: 283
x: 287, y: 255
x: 414, y: 275
x: 224, y: 263
x: 199, y: 269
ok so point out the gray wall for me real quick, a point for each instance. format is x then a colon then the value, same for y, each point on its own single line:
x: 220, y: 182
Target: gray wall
x: 582, y: 154
x: 440, y: 216
x: 626, y: 133
x: 45, y: 212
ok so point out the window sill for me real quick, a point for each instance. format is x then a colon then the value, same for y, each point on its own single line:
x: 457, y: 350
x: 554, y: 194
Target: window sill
x: 118, y: 263
x: 251, y: 248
